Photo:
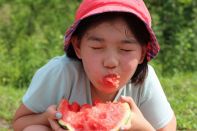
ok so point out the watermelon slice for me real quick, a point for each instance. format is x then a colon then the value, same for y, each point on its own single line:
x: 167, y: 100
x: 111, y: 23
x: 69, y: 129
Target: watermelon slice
x: 100, y: 117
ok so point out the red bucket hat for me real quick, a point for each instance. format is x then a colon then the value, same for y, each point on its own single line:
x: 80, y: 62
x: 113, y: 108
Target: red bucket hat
x: 137, y: 7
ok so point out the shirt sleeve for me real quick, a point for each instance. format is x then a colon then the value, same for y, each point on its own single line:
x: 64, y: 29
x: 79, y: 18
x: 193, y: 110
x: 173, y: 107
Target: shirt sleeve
x: 47, y: 87
x: 154, y: 104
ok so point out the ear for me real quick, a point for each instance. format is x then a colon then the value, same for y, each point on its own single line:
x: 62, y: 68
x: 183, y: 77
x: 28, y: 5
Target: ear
x: 143, y: 54
x: 76, y: 45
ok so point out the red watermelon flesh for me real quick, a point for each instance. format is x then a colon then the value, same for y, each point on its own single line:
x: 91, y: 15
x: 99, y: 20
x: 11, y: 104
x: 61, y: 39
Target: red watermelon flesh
x: 111, y: 80
x: 101, y: 117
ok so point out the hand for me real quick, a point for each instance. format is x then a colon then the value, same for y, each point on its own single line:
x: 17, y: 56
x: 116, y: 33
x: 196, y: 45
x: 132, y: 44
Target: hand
x: 53, y: 115
x: 55, y: 126
x: 138, y: 122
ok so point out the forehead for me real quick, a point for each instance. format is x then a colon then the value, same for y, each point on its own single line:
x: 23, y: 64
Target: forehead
x: 111, y: 19
x: 116, y: 24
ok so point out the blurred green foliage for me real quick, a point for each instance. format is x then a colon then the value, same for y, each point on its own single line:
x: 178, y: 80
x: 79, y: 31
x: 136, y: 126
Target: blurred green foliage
x: 175, y: 24
x: 32, y: 32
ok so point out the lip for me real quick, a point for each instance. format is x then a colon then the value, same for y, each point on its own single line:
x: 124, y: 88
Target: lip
x: 111, y: 80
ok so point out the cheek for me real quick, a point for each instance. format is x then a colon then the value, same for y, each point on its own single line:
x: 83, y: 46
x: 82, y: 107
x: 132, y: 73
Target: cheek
x: 92, y: 66
x: 90, y: 60
x: 128, y: 68
x: 129, y: 62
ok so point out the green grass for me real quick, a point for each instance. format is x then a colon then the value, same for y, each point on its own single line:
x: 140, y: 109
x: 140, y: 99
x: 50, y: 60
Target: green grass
x: 181, y: 91
x: 9, y: 101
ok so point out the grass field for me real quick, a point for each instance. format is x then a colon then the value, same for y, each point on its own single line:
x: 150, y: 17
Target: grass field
x: 181, y: 91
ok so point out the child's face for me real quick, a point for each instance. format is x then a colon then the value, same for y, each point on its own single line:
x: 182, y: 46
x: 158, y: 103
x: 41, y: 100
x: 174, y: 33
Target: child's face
x: 109, y: 48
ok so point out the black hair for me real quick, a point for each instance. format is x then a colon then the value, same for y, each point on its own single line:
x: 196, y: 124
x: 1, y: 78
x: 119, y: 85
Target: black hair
x: 136, y: 25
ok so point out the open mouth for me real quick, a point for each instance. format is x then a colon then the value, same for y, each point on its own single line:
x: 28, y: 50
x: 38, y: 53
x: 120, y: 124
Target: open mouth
x: 111, y: 80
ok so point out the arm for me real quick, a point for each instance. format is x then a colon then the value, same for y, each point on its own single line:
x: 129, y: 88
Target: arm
x: 47, y: 88
x: 171, y: 126
x: 154, y: 102
x: 25, y: 117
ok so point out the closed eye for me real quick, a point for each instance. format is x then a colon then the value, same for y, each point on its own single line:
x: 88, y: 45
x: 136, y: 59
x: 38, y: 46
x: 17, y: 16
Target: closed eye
x: 126, y: 50
x: 96, y: 48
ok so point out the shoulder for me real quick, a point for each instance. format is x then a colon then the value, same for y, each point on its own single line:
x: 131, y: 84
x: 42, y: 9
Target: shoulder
x: 60, y: 65
x: 151, y: 78
x: 151, y: 72
x: 153, y: 101
x: 150, y: 86
x: 152, y: 81
x: 55, y: 79
x: 60, y: 62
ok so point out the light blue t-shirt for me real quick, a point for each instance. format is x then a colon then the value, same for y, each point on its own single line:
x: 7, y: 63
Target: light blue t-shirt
x: 63, y: 77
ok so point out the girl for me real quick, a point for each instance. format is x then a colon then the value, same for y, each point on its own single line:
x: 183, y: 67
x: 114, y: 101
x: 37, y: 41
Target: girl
x: 109, y: 39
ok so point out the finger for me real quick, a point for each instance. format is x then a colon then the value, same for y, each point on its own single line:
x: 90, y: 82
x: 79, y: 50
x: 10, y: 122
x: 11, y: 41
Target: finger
x: 54, y: 125
x: 125, y: 128
x: 131, y: 103
x: 53, y: 113
x: 58, y: 115
x: 129, y: 100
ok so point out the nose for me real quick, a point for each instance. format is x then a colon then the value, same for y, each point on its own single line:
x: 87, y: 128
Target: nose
x: 111, y: 61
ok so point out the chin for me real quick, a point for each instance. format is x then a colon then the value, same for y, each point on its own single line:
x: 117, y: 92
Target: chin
x: 109, y: 90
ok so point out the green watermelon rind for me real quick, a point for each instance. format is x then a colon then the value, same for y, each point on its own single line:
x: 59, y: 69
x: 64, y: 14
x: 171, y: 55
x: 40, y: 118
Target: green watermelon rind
x: 125, y: 120
x: 65, y: 125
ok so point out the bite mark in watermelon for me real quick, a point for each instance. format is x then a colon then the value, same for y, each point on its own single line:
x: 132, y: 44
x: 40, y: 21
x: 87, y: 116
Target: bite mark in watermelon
x: 100, y: 117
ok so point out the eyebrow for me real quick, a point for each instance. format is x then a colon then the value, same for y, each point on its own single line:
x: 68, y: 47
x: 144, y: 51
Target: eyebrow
x: 95, y: 38
x: 124, y: 41
x: 128, y: 41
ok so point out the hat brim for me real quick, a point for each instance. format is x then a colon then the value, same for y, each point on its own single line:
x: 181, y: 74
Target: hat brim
x: 152, y: 47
